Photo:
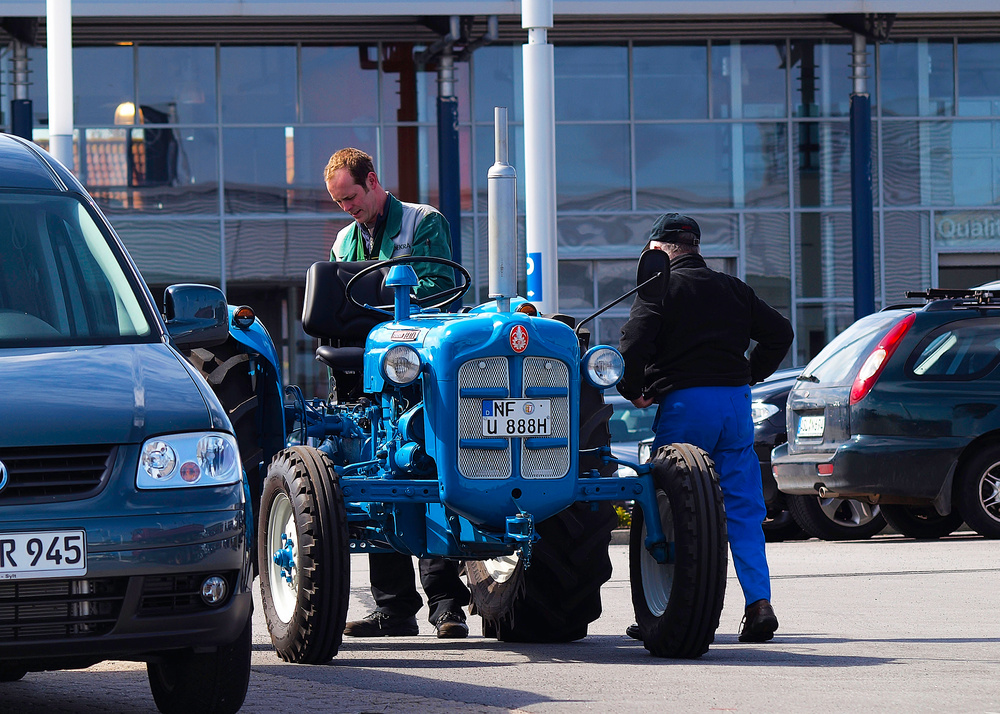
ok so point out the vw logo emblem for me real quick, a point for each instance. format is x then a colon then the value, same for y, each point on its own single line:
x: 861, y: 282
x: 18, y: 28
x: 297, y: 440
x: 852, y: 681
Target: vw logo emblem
x: 3, y: 475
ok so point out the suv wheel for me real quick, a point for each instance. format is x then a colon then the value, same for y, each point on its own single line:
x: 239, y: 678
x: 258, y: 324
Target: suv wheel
x: 836, y: 518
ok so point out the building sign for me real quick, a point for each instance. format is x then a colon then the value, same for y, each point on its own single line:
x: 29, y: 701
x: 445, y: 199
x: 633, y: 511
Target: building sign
x: 969, y: 228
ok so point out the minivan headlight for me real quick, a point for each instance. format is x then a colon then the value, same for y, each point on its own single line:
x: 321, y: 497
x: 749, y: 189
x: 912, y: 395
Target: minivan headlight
x: 185, y: 460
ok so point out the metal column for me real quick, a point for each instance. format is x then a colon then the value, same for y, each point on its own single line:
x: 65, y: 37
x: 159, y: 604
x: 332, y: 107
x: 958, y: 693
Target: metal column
x: 862, y: 213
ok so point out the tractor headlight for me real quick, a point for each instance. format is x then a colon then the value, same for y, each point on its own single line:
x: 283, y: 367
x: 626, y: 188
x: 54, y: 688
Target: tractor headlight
x: 603, y: 366
x: 401, y: 365
x: 183, y: 460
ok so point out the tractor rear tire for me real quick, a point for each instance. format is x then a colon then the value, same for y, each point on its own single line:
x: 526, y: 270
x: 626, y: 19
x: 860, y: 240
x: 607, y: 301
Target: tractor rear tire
x: 678, y: 603
x: 559, y: 595
x: 303, y: 516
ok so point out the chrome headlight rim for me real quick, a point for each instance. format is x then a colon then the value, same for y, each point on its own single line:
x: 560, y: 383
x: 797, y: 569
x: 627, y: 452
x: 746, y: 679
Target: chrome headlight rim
x: 401, y: 356
x: 603, y: 366
x: 188, y: 460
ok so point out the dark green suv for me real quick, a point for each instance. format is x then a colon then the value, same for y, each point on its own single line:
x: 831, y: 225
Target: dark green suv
x: 903, y: 409
x: 122, y: 498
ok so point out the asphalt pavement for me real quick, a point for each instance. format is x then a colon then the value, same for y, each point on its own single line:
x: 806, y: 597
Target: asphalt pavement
x: 884, y: 625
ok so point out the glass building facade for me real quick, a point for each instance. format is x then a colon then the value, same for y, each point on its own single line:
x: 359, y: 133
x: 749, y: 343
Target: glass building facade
x: 208, y: 159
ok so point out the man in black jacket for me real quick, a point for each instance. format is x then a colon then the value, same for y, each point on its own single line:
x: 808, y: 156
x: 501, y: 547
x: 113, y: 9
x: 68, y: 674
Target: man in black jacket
x: 687, y: 352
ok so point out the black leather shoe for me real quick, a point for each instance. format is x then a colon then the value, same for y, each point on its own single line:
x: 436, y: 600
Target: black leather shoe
x: 759, y: 622
x: 382, y: 624
x: 633, y: 632
x: 451, y: 625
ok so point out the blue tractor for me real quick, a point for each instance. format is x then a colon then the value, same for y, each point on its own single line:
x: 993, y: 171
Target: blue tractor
x: 479, y: 435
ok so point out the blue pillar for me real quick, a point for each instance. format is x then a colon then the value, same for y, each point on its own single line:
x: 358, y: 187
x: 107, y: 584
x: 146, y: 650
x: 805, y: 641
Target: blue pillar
x: 862, y: 213
x: 449, y: 173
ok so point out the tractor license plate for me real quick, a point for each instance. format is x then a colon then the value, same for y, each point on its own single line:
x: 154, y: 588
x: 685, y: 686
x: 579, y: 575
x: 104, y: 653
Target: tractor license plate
x: 810, y: 426
x: 43, y: 554
x: 509, y: 418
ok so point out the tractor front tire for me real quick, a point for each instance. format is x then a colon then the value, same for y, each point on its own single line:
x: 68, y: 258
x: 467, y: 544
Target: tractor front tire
x: 304, y: 555
x: 559, y: 594
x: 678, y: 603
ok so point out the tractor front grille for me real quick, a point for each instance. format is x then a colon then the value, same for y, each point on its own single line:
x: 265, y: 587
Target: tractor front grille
x: 55, y: 473
x: 41, y: 609
x: 539, y: 459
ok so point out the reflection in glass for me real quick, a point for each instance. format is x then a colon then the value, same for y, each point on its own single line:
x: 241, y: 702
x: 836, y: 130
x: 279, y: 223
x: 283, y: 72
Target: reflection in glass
x: 683, y: 165
x: 767, y: 259
x: 576, y: 285
x: 978, y: 78
x: 257, y: 84
x: 917, y: 78
x: 592, y: 167
x: 824, y: 256
x: 102, y: 79
x: 498, y: 77
x: 816, y: 325
x: 821, y: 85
x: 172, y: 251
x: 256, y: 167
x: 178, y: 83
x: 339, y: 84
x: 614, y: 279
x: 670, y: 81
x: 591, y: 83
x: 272, y: 250
x: 748, y: 80
x: 822, y: 163
x: 907, y: 246
x: 409, y: 90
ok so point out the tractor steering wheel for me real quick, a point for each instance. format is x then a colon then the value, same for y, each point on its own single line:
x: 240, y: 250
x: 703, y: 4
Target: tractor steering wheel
x: 440, y: 299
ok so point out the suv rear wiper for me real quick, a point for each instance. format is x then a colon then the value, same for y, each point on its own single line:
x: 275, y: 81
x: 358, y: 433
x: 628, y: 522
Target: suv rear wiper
x: 809, y: 378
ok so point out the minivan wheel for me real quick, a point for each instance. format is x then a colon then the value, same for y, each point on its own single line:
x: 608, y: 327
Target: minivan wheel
x: 921, y: 521
x: 836, y: 518
x: 978, y: 492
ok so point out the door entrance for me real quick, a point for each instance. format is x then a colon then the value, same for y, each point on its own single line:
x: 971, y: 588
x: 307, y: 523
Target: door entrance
x: 967, y: 270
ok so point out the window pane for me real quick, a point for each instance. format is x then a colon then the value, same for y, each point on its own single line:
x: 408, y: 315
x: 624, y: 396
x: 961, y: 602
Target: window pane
x: 825, y: 256
x: 339, y: 84
x: 670, y: 82
x: 178, y: 84
x: 907, y: 249
x: 102, y: 80
x: 591, y: 83
x: 975, y: 168
x: 593, y: 235
x: 917, y: 78
x: 409, y: 92
x: 683, y: 165
x: 258, y: 84
x: 821, y: 84
x: 816, y: 325
x: 168, y: 170
x: 255, y: 165
x: 978, y: 79
x: 277, y: 250
x: 614, y: 279
x: 768, y: 260
x: 173, y: 251
x: 748, y: 80
x: 576, y: 285
x: 408, y: 168
x: 765, y: 164
x: 917, y: 157
x: 823, y: 164
x: 592, y: 167
x: 499, y: 79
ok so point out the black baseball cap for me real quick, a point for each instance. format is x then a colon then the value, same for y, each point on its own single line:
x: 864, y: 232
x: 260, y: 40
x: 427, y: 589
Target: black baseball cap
x: 667, y: 228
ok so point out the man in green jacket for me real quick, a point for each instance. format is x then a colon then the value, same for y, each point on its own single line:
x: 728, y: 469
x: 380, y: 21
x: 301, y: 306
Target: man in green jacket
x: 385, y: 227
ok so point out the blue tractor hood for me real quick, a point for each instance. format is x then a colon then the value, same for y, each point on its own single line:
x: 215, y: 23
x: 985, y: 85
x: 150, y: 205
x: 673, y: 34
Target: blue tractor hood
x: 112, y: 394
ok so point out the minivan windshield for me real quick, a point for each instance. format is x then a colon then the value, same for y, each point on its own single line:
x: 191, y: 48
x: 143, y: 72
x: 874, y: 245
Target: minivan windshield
x: 61, y: 283
x: 835, y: 364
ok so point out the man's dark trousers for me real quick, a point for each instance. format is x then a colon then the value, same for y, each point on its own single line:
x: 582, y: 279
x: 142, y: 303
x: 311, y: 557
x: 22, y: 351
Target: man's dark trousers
x: 391, y: 576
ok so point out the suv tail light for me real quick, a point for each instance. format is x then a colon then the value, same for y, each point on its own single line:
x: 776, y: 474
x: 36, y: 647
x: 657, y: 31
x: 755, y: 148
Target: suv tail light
x: 876, y: 361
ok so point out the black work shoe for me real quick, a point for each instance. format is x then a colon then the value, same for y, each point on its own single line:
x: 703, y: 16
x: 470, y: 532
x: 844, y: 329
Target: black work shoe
x: 451, y: 625
x: 382, y: 624
x: 633, y: 632
x: 759, y: 622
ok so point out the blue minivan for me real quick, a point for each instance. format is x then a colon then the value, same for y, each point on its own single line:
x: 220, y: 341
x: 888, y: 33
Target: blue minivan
x: 123, y: 530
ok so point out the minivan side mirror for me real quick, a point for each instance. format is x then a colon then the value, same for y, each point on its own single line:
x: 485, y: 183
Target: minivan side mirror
x: 196, y: 315
x: 653, y: 264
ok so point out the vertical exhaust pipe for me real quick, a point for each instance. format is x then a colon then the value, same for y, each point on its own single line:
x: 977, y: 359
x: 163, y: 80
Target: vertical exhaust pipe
x: 502, y: 197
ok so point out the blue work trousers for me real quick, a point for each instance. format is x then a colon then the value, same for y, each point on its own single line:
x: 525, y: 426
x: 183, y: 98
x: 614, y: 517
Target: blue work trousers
x: 718, y: 420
